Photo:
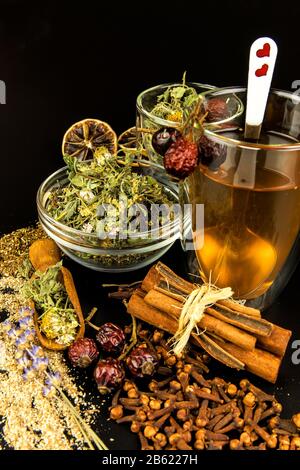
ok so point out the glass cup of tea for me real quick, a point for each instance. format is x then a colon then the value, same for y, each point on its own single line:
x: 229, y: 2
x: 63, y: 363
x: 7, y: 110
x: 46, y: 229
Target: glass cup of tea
x: 250, y: 192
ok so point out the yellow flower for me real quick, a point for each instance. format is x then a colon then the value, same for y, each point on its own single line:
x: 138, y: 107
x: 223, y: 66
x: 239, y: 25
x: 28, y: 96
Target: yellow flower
x: 84, y: 211
x: 175, y: 117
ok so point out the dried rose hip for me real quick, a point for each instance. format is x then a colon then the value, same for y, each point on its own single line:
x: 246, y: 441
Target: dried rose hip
x: 182, y: 158
x: 108, y: 374
x: 217, y: 110
x: 83, y: 352
x: 142, y: 361
x: 111, y: 338
x: 211, y: 153
x: 164, y: 138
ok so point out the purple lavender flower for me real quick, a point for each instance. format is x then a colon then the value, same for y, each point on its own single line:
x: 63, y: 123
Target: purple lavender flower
x: 48, y: 391
x: 54, y: 379
x: 21, y: 342
x: 29, y: 334
x: 36, y: 351
x: 12, y: 333
x: 27, y: 374
x: 40, y: 363
x: 26, y: 311
x: 25, y: 321
x: 24, y: 361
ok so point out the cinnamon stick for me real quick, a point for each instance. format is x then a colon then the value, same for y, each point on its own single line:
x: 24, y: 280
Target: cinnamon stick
x: 173, y: 308
x: 217, y: 352
x: 163, y: 279
x: 228, y: 332
x: 152, y: 278
x: 259, y: 362
x: 277, y: 342
x: 249, y: 323
x: 160, y: 272
x: 240, y: 308
x: 139, y: 309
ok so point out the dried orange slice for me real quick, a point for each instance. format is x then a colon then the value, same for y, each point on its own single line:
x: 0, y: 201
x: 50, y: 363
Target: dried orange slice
x: 82, y: 138
x: 128, y: 139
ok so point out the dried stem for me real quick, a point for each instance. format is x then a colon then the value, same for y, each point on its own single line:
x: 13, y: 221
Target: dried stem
x: 133, y: 340
x: 91, y: 314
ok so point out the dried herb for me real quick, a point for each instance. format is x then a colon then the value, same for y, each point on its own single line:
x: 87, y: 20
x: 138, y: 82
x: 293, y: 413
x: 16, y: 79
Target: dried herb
x: 103, y: 182
x: 26, y: 269
x: 172, y: 103
x: 14, y: 248
x: 113, y: 260
x: 57, y: 317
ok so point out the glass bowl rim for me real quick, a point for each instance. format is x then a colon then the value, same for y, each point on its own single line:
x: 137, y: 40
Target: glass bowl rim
x: 222, y: 139
x: 173, y: 225
x: 165, y: 122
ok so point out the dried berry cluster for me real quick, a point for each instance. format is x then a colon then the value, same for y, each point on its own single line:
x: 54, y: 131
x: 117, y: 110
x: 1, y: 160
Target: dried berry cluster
x: 185, y: 411
x: 182, y: 152
x: 109, y: 373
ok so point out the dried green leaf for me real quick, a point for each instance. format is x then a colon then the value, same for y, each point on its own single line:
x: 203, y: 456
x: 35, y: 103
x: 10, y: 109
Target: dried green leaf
x: 57, y: 316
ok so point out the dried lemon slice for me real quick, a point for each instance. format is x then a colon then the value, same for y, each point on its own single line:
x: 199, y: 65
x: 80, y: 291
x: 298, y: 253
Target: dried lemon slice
x: 128, y: 139
x: 82, y: 138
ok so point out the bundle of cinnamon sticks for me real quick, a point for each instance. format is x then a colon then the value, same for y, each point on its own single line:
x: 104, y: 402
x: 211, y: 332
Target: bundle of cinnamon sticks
x: 233, y: 334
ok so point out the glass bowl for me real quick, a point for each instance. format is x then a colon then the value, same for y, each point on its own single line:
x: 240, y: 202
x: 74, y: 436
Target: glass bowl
x: 90, y: 250
x: 145, y: 119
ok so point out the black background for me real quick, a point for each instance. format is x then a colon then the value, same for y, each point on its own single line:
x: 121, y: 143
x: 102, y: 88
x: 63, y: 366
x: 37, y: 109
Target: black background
x: 65, y: 61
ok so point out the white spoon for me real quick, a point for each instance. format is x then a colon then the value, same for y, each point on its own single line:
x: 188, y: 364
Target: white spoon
x: 262, y: 60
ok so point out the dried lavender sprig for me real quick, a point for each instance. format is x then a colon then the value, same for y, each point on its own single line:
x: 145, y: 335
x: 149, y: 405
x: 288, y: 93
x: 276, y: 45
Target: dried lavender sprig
x: 82, y: 424
x: 35, y: 354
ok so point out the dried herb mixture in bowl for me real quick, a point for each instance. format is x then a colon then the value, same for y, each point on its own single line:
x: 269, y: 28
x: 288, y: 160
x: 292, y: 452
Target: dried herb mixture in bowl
x: 110, y: 213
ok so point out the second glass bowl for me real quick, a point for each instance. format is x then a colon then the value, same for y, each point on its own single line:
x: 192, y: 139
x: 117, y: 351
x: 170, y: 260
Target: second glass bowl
x: 147, y: 122
x: 145, y: 119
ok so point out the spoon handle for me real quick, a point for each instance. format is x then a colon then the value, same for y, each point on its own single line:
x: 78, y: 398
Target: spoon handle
x: 262, y: 60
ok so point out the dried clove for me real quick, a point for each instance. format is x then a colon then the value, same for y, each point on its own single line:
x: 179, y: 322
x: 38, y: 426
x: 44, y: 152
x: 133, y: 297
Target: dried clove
x: 185, y: 411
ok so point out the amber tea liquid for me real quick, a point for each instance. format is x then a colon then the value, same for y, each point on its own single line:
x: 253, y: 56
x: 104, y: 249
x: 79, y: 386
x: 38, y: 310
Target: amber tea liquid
x: 250, y: 224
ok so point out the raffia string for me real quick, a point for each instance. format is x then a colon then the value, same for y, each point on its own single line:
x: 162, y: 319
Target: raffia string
x: 193, y: 310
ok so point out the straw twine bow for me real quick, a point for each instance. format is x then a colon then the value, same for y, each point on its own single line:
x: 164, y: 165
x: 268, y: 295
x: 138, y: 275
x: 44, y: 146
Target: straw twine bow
x: 193, y: 311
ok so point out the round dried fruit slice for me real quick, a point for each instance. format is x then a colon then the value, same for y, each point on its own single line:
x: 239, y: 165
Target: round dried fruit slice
x: 128, y: 139
x: 82, y: 138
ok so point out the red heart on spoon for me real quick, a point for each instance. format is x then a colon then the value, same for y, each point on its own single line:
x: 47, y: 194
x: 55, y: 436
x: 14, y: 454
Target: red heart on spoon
x: 262, y: 71
x: 265, y: 51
